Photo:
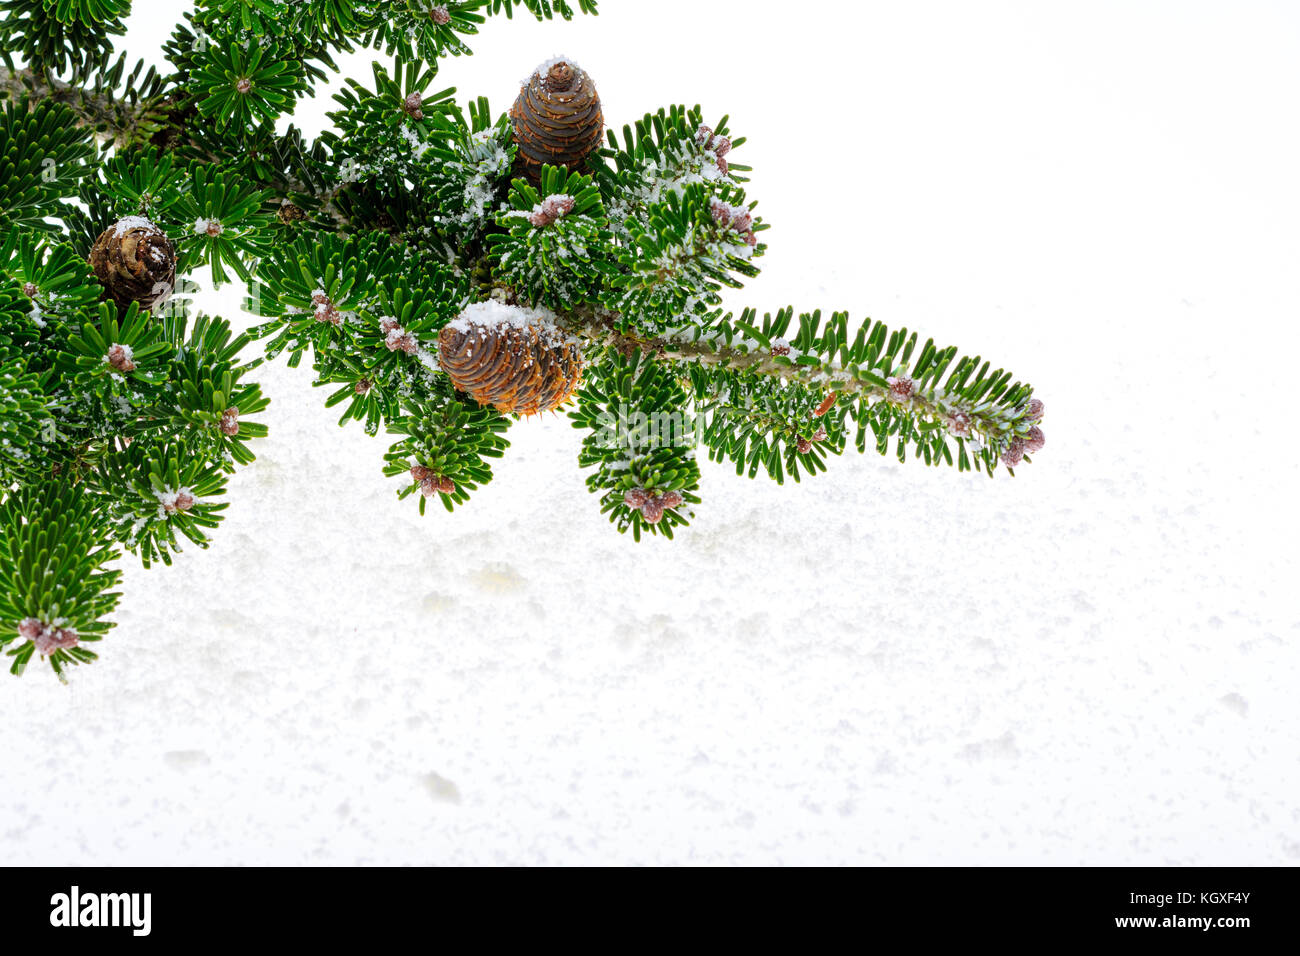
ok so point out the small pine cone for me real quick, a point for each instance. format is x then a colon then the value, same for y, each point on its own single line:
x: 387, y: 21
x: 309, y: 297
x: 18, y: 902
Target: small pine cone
x: 30, y: 290
x: 230, y: 422
x: 636, y: 498
x: 429, y: 486
x: 363, y: 386
x: 671, y: 499
x: 289, y: 212
x: 29, y: 629
x: 704, y: 135
x: 804, y: 445
x: 515, y: 363
x: 721, y: 146
x: 182, y: 502
x: 120, y: 357
x: 653, y: 510
x: 1035, y: 440
x: 723, y: 167
x: 387, y: 324
x: 440, y: 15
x: 420, y: 473
x: 446, y: 485
x: 243, y: 85
x: 413, y: 106
x: 780, y: 347
x: 1034, y: 410
x: 135, y: 262
x: 819, y: 434
x: 742, y: 220
x: 1014, y: 454
x: 556, y: 118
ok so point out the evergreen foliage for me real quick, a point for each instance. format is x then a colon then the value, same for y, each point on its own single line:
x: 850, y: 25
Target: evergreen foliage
x: 122, y: 418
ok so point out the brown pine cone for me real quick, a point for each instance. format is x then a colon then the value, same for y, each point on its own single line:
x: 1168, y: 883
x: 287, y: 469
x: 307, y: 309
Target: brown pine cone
x: 511, y: 358
x: 135, y: 262
x: 556, y: 118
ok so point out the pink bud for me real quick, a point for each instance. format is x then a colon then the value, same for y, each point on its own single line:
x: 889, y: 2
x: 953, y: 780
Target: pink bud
x: 653, y: 511
x: 420, y: 473
x: 636, y: 498
x: 804, y: 446
x: 721, y: 146
x: 703, y: 135
x: 1034, y: 410
x: 671, y: 499
x: 440, y: 16
x: 230, y: 422
x: 959, y: 424
x: 901, y: 387
x: 1034, y: 443
x: 1014, y: 454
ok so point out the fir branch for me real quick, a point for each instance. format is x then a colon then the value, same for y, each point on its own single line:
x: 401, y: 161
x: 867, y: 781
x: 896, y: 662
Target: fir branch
x: 111, y: 119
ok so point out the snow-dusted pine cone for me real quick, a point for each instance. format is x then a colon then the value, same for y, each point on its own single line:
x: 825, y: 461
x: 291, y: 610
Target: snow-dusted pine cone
x: 512, y: 358
x: 557, y: 117
x: 135, y: 262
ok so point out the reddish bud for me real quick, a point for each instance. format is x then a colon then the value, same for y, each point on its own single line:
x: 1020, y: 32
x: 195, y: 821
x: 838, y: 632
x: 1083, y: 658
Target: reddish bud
x: 636, y: 498
x: 230, y: 422
x: 119, y: 357
x: 1035, y: 440
x: 1034, y: 410
x: 901, y: 388
x: 1014, y: 454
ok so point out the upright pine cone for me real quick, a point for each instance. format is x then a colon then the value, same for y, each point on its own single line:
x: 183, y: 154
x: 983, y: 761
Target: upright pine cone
x: 556, y: 117
x: 135, y: 262
x: 512, y: 358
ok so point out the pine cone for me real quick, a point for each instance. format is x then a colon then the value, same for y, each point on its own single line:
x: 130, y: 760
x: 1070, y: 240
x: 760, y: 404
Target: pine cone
x: 135, y: 262
x: 556, y: 118
x: 511, y: 358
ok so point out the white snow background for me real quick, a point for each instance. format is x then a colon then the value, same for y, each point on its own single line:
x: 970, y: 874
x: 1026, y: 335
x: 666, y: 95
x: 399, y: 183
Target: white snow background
x: 1094, y: 662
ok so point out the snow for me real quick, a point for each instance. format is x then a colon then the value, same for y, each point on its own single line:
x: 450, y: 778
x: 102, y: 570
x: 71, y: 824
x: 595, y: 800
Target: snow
x: 127, y: 223
x: 546, y: 65
x: 1092, y: 663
